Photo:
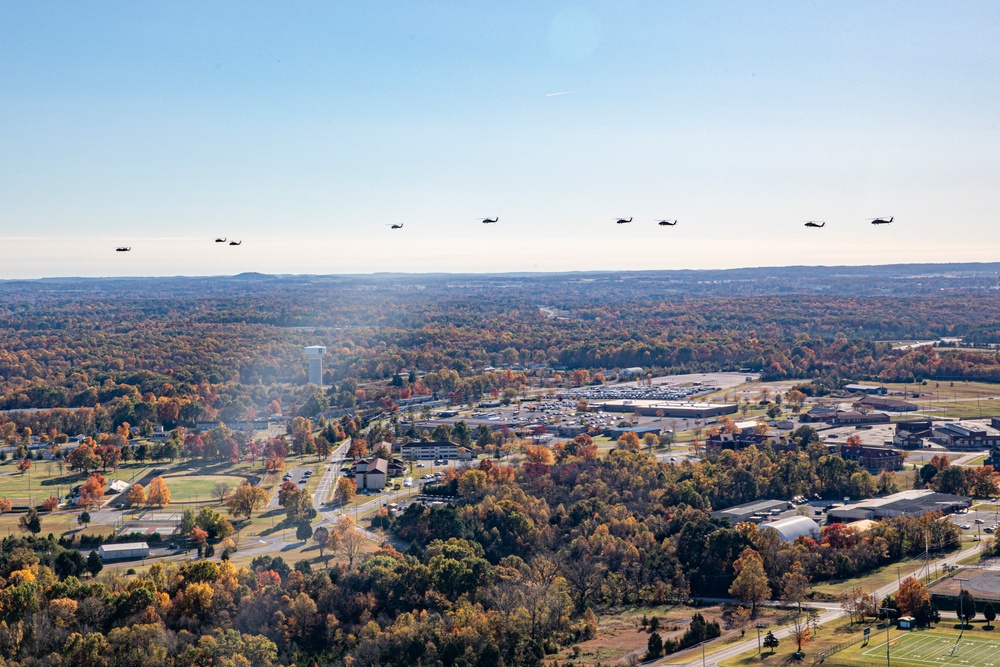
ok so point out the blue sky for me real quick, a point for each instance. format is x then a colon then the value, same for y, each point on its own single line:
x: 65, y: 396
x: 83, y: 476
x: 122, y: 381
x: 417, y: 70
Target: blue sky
x: 305, y: 129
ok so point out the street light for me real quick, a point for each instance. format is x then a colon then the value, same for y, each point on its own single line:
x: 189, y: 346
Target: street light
x: 887, y: 626
x: 759, y: 626
x: 961, y: 612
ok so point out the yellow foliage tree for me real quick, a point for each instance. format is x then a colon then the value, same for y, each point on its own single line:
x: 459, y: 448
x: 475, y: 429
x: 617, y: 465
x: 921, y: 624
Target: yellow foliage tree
x: 159, y: 494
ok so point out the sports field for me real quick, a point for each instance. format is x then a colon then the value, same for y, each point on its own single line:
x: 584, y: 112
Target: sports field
x: 928, y: 648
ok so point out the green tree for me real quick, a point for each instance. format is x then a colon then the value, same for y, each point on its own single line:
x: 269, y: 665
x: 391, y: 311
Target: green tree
x: 94, y: 564
x: 303, y: 531
x: 990, y: 614
x: 770, y: 641
x: 31, y: 522
x: 654, y: 647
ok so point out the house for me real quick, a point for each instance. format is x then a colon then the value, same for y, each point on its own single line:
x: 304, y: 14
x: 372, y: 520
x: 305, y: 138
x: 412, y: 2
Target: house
x: 125, y: 551
x: 371, y: 474
x: 449, y: 451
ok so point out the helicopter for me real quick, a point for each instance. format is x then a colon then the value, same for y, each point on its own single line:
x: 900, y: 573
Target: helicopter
x: 622, y: 221
x: 667, y: 223
x: 123, y: 249
x: 490, y: 221
x: 398, y: 225
x: 882, y: 221
x: 236, y: 242
x: 222, y: 240
x: 815, y: 223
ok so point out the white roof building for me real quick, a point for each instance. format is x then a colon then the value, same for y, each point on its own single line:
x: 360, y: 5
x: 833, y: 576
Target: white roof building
x: 793, y: 528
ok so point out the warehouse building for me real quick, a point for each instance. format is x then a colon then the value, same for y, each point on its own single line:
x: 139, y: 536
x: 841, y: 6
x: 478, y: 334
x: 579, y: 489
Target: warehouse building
x: 916, y: 502
x: 750, y: 511
x: 870, y: 389
x: 124, y: 551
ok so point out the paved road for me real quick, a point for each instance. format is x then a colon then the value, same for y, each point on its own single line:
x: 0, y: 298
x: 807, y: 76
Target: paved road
x: 826, y: 616
x: 329, y: 479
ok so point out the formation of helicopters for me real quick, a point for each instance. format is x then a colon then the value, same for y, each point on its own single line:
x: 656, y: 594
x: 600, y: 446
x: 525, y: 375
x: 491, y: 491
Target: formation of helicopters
x: 814, y: 224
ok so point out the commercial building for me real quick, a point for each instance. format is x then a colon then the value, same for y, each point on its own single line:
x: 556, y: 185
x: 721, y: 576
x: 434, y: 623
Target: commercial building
x: 966, y: 435
x: 853, y: 417
x: 913, y: 434
x: 315, y: 354
x: 687, y: 410
x: 449, y: 451
x: 793, y: 527
x: 889, y: 404
x: 751, y: 511
x: 993, y: 459
x: 125, y: 551
x: 916, y: 502
x: 870, y: 457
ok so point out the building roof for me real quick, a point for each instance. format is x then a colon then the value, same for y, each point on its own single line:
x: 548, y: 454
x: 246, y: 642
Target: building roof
x: 793, y: 527
x: 125, y: 546
x: 750, y: 508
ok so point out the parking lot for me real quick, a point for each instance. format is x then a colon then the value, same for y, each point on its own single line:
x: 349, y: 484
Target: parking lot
x: 298, y: 476
x: 976, y: 520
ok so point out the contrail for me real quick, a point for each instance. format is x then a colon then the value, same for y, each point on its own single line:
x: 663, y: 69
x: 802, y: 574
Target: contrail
x: 567, y: 92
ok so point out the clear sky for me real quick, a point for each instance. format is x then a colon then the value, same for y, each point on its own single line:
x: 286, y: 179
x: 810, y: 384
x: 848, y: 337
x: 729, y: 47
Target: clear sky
x: 305, y: 129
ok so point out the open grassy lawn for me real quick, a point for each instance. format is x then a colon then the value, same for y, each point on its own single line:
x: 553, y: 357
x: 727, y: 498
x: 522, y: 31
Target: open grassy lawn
x: 56, y: 523
x: 873, y: 580
x: 620, y: 633
x: 189, y: 487
x: 44, y: 480
x: 828, y: 636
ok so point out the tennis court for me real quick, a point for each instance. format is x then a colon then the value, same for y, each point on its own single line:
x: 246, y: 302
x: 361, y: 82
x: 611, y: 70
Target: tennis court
x: 926, y: 648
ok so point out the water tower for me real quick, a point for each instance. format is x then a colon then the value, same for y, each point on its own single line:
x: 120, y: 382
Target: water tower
x: 315, y: 354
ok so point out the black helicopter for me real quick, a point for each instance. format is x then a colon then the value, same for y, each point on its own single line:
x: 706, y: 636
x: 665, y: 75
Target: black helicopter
x: 222, y: 240
x: 398, y: 225
x: 815, y: 223
x: 882, y: 221
x: 490, y: 221
x: 123, y: 249
x: 235, y: 242
x: 667, y: 223
x: 622, y: 221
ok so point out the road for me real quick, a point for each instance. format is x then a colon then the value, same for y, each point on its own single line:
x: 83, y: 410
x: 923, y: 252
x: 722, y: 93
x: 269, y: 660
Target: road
x: 830, y: 613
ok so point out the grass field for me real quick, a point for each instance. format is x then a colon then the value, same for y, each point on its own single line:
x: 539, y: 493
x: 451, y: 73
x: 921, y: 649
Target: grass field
x: 931, y: 648
x: 189, y: 487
